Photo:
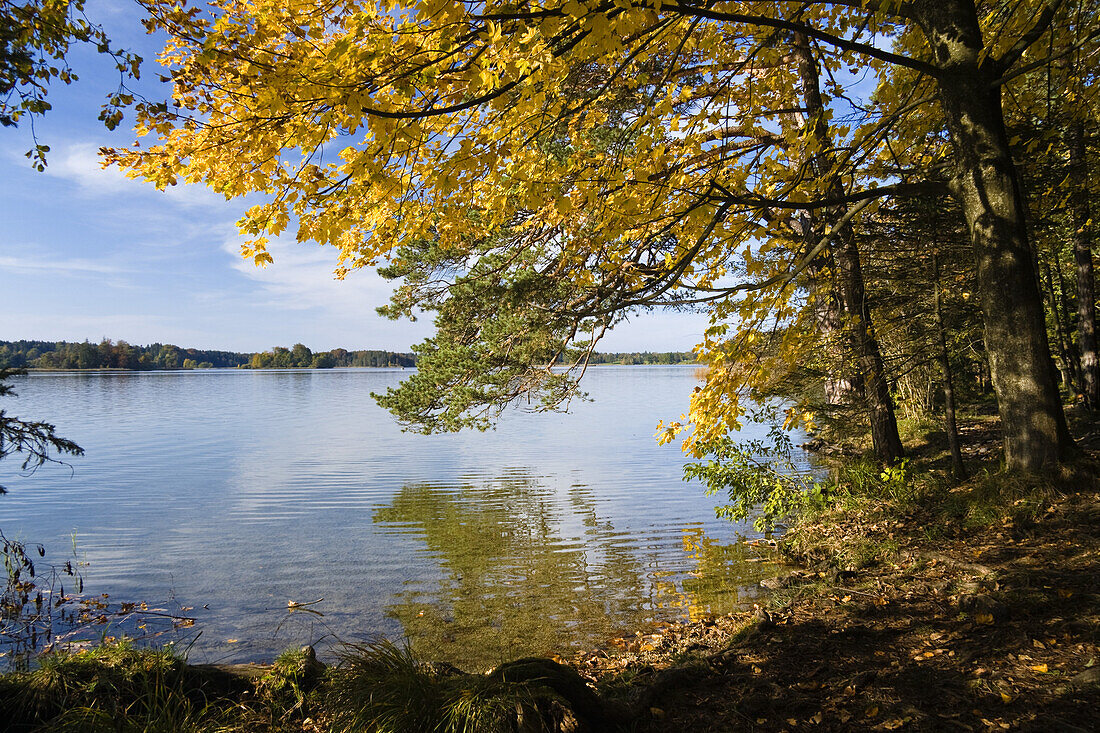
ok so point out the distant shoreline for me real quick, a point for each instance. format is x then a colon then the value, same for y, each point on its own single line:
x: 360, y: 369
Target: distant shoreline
x: 115, y: 370
x: 108, y: 355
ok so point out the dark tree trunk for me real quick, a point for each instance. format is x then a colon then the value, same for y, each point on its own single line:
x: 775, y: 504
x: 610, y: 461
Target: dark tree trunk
x: 987, y: 185
x: 876, y: 387
x: 842, y: 386
x: 1067, y: 320
x: 884, y: 426
x: 1082, y: 254
x: 1069, y: 365
x: 952, y: 426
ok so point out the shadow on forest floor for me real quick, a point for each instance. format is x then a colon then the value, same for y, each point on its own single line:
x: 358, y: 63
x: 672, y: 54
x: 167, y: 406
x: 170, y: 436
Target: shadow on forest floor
x: 962, y: 619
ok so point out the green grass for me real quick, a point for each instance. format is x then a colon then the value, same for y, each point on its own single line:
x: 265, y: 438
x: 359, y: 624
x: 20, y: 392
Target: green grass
x: 382, y: 687
x: 375, y: 688
x: 112, y: 687
x: 117, y: 687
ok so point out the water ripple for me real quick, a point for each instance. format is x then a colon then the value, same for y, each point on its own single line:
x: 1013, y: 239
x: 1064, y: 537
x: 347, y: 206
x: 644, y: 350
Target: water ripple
x: 243, y: 490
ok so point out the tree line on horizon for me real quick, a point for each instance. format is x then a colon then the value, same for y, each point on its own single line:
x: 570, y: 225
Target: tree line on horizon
x: 108, y: 354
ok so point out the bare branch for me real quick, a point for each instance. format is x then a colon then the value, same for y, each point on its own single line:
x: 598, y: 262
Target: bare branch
x: 1042, y: 23
x: 845, y: 44
x: 896, y: 189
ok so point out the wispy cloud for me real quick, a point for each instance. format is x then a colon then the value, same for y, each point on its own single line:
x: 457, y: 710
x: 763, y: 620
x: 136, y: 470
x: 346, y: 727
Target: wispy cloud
x: 300, y: 284
x: 302, y: 278
x: 69, y: 266
x: 80, y: 163
x: 135, y: 328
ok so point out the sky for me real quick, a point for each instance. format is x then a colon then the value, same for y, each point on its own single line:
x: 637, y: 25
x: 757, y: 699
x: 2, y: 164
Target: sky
x: 87, y: 254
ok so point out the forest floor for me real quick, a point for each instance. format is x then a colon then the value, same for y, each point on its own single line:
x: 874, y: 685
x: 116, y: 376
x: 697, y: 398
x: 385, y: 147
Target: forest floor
x: 972, y: 606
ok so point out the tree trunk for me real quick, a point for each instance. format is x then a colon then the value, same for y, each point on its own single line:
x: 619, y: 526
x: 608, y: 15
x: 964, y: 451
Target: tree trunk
x: 842, y: 386
x: 1067, y: 320
x: 1069, y: 364
x: 957, y: 468
x: 884, y: 426
x: 987, y: 185
x: 1082, y: 254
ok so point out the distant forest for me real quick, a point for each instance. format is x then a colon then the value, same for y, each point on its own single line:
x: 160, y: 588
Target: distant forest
x: 644, y: 357
x: 109, y: 354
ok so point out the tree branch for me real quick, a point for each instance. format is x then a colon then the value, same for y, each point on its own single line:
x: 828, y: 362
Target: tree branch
x: 897, y: 189
x: 1012, y: 55
x: 864, y: 49
x: 1021, y: 70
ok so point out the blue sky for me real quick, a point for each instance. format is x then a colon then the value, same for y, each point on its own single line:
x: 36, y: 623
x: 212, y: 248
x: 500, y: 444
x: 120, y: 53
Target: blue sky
x: 86, y: 253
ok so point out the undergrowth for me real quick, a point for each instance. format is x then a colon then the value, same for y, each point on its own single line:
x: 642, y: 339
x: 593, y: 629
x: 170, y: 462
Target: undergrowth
x: 118, y: 687
x: 375, y: 688
x: 854, y: 519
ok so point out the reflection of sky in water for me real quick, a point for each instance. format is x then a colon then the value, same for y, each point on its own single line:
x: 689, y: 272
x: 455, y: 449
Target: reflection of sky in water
x: 243, y: 490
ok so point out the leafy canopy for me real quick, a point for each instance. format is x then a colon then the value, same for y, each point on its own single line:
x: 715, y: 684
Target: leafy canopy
x: 563, y: 161
x: 36, y: 37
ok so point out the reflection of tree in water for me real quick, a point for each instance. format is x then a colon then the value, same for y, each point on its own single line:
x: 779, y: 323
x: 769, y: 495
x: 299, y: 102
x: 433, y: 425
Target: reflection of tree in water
x: 726, y: 576
x: 529, y: 573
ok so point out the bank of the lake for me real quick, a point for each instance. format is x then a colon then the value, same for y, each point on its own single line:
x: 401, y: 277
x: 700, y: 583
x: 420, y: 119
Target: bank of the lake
x: 932, y: 606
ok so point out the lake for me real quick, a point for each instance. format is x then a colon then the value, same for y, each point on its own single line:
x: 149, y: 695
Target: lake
x: 230, y: 493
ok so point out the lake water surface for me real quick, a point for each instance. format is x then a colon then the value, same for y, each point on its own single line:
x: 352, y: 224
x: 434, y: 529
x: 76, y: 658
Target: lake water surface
x: 234, y: 492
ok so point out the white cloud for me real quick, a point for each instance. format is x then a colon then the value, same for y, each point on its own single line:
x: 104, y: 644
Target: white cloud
x: 80, y: 163
x: 69, y: 266
x: 656, y: 331
x: 135, y: 328
x: 315, y: 307
x: 302, y: 278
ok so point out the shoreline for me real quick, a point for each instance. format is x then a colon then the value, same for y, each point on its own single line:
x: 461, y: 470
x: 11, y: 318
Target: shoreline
x: 937, y: 606
x: 31, y: 370
x: 957, y: 633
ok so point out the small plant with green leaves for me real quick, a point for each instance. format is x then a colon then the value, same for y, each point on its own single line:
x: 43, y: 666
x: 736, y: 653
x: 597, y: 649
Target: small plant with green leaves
x: 759, y: 477
x: 896, y: 481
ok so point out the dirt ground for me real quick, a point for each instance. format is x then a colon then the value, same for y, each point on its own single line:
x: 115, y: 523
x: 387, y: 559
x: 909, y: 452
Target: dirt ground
x: 996, y: 628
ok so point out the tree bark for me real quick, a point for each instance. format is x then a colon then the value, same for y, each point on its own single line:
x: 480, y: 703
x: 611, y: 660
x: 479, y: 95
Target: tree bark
x: 880, y: 403
x: 1068, y: 320
x: 884, y: 426
x: 1082, y: 254
x: 987, y: 185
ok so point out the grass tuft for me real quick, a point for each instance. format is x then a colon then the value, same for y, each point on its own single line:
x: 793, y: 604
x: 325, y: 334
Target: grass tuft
x: 112, y: 687
x: 381, y: 687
